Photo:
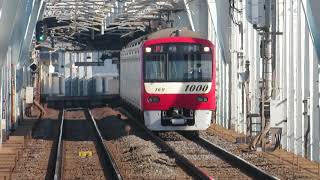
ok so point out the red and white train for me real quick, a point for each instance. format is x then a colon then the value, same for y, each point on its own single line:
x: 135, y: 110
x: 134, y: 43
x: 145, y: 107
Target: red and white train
x: 169, y: 76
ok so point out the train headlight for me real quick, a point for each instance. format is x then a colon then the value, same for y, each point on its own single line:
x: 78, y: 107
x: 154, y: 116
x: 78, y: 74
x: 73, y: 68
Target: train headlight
x: 202, y: 99
x: 153, y: 99
x: 148, y: 49
x: 206, y: 49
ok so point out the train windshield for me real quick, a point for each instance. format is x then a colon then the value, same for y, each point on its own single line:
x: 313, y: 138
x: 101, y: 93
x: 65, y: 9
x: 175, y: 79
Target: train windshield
x: 178, y: 63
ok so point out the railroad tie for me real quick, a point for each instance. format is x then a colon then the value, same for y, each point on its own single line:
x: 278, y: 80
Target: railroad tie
x: 5, y: 173
x: 10, y: 152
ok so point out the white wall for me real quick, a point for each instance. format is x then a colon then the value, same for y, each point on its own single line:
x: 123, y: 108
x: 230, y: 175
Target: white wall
x: 219, y: 32
x: 17, y: 22
x: 295, y: 100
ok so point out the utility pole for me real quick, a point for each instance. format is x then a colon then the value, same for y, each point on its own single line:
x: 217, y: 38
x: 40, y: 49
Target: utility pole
x: 266, y: 54
x: 267, y: 73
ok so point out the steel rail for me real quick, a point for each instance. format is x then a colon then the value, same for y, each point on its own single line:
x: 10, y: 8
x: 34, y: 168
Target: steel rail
x: 115, y: 173
x: 58, y: 163
x: 111, y: 162
x: 196, y: 172
x: 249, y: 168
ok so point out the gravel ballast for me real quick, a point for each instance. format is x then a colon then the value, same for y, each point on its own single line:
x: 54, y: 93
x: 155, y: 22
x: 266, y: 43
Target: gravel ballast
x: 137, y: 156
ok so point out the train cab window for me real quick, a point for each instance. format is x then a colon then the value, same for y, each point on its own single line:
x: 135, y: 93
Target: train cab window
x: 178, y: 63
x: 155, y: 67
x: 189, y: 67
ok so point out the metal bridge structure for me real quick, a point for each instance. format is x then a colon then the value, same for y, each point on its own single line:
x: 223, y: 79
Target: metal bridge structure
x: 267, y: 51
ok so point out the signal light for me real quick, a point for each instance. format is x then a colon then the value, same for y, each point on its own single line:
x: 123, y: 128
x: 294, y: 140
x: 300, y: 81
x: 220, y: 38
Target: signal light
x: 41, y: 31
x: 42, y: 38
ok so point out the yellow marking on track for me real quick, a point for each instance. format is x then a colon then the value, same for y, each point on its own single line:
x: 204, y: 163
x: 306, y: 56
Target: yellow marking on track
x: 85, y: 154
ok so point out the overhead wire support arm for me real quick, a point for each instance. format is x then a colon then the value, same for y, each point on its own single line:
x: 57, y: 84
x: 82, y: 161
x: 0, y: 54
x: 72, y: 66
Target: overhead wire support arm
x: 233, y: 9
x: 186, y: 3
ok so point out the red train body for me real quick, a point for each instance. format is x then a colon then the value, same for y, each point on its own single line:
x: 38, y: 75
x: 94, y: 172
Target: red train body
x: 170, y: 76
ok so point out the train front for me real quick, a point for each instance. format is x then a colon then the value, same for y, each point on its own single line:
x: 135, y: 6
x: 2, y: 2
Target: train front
x: 179, y: 83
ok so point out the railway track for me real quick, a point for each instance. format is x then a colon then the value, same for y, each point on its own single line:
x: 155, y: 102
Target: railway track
x: 183, y: 162
x: 229, y: 165
x: 80, y: 149
x: 236, y: 161
x: 242, y: 164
